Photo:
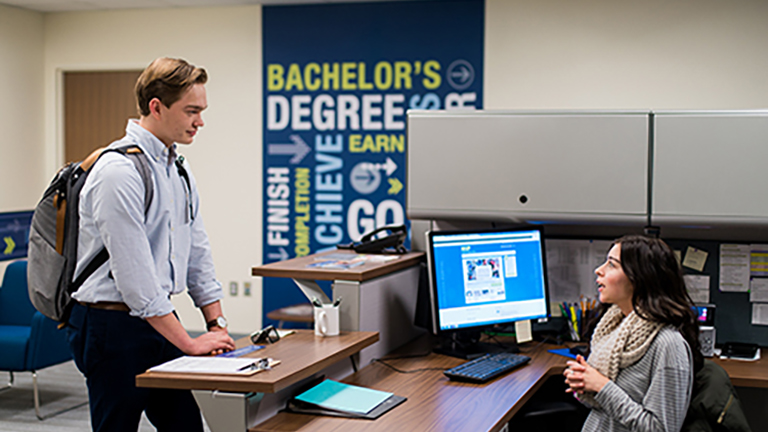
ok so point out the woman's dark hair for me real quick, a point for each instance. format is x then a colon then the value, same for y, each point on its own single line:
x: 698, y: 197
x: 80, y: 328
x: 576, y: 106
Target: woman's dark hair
x: 659, y: 288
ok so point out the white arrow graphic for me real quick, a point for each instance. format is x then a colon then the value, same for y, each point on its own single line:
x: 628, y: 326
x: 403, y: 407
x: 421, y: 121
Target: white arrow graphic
x: 281, y: 255
x: 389, y: 166
x: 298, y: 149
x: 462, y: 74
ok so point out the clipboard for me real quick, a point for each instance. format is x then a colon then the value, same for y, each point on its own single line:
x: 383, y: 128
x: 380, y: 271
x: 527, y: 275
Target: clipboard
x: 242, y: 366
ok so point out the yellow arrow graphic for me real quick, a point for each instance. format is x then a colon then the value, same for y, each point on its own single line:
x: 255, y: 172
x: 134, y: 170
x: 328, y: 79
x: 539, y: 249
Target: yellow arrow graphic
x: 10, y: 244
x: 395, y: 186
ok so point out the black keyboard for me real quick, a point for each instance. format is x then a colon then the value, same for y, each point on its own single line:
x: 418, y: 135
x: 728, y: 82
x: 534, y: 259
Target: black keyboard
x: 486, y: 367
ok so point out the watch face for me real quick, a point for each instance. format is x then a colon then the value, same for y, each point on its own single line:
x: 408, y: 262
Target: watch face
x: 221, y: 322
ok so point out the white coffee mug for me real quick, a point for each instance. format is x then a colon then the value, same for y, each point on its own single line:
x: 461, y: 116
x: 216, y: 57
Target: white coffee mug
x: 327, y: 320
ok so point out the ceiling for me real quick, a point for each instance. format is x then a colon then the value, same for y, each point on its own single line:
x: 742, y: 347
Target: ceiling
x: 85, y: 5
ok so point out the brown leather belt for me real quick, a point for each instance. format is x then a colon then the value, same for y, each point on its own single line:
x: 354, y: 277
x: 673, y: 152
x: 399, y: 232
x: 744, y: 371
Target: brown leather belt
x: 113, y: 306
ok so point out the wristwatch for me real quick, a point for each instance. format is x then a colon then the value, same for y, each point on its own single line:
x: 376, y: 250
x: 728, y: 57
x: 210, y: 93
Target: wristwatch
x: 219, y: 321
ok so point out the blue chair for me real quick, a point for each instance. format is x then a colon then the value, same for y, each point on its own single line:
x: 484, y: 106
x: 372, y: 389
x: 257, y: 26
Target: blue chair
x: 29, y: 341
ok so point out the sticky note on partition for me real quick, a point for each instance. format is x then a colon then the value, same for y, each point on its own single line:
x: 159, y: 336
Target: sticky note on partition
x: 695, y: 258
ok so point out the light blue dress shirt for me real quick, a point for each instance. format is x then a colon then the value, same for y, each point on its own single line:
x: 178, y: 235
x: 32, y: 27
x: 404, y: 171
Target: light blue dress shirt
x: 151, y: 257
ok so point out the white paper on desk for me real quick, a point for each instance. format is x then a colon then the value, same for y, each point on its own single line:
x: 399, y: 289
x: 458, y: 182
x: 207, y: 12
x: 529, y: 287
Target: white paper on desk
x: 698, y: 287
x: 211, y: 365
x: 571, y: 268
x: 284, y: 332
x: 734, y: 267
x: 759, y: 313
x: 758, y: 290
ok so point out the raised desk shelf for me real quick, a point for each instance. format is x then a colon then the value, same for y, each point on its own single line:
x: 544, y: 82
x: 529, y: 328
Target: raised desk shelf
x: 297, y: 268
x: 301, y: 355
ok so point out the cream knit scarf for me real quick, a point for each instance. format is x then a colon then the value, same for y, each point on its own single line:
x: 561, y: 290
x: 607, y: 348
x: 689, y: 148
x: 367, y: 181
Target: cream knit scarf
x: 619, y: 342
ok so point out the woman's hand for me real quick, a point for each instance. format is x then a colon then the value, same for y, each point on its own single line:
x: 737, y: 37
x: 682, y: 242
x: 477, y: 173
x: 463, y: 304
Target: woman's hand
x: 582, y: 377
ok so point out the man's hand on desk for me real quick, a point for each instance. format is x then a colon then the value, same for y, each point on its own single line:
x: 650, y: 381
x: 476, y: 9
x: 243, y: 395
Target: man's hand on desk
x: 213, y: 342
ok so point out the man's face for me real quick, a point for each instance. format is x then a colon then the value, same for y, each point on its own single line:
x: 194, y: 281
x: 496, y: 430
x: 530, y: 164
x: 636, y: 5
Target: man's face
x: 180, y: 121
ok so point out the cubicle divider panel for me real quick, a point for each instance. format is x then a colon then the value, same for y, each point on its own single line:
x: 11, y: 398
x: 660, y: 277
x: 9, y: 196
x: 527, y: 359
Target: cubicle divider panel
x: 583, y: 167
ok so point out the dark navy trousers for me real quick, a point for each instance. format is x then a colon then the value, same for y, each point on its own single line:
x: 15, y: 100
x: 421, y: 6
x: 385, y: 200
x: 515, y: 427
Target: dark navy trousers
x: 110, y: 348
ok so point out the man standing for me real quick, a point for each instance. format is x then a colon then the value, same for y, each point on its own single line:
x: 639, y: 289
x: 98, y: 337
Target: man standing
x: 124, y: 321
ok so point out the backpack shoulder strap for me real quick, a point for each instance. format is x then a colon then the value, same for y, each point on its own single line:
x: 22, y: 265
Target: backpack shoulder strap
x: 185, y: 175
x: 134, y: 153
x: 137, y: 156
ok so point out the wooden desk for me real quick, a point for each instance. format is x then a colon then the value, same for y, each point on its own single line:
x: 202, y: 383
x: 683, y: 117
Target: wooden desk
x: 438, y: 404
x: 234, y: 403
x: 376, y: 296
x: 435, y: 403
x: 746, y: 373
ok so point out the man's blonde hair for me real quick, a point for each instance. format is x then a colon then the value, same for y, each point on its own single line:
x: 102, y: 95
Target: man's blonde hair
x: 166, y: 79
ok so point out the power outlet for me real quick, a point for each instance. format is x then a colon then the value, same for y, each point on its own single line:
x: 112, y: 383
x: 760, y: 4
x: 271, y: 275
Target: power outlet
x: 233, y: 288
x: 247, y: 289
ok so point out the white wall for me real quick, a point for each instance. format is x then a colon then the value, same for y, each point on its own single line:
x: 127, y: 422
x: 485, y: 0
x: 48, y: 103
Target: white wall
x: 626, y: 54
x: 226, y: 155
x: 21, y: 108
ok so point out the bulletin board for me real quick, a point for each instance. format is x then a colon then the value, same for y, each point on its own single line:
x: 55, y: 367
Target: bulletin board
x: 733, y: 318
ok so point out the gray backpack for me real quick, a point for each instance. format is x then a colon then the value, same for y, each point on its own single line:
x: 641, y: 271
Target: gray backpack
x: 52, y: 250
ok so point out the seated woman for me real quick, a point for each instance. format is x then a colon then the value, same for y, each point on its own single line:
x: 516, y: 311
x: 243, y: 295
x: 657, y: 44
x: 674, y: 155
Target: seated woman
x: 645, y: 348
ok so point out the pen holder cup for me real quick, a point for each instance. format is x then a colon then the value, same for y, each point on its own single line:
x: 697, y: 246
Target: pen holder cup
x: 327, y: 320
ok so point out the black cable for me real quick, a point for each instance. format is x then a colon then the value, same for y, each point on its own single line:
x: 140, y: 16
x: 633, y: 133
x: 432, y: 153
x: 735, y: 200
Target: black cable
x: 406, y: 371
x: 381, y: 360
x: 404, y: 356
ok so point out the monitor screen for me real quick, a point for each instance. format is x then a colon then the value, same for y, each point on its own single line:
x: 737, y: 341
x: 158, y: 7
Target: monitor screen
x: 482, y: 278
x: 705, y: 314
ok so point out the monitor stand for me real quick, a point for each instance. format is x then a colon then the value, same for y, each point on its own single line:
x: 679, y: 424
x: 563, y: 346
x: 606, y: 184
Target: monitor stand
x: 467, y: 345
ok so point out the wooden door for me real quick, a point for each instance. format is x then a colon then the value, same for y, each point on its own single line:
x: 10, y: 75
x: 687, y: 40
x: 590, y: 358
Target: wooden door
x: 97, y: 106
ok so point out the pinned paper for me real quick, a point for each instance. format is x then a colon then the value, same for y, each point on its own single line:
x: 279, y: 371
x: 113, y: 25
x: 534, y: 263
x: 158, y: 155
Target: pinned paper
x: 758, y: 265
x: 758, y: 290
x: 734, y: 267
x: 698, y: 287
x: 695, y: 258
x: 760, y: 313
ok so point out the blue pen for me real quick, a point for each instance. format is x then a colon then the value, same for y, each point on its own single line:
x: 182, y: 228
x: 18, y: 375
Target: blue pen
x: 578, y: 319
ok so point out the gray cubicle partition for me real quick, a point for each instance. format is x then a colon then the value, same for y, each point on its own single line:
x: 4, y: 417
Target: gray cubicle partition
x: 528, y: 167
x: 709, y: 174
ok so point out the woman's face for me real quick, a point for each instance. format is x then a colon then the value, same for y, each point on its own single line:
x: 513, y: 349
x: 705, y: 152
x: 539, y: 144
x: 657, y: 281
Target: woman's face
x: 612, y: 283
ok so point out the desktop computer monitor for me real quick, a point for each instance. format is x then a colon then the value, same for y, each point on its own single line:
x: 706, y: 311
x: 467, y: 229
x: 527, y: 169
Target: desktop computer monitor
x: 705, y: 314
x: 479, y: 279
